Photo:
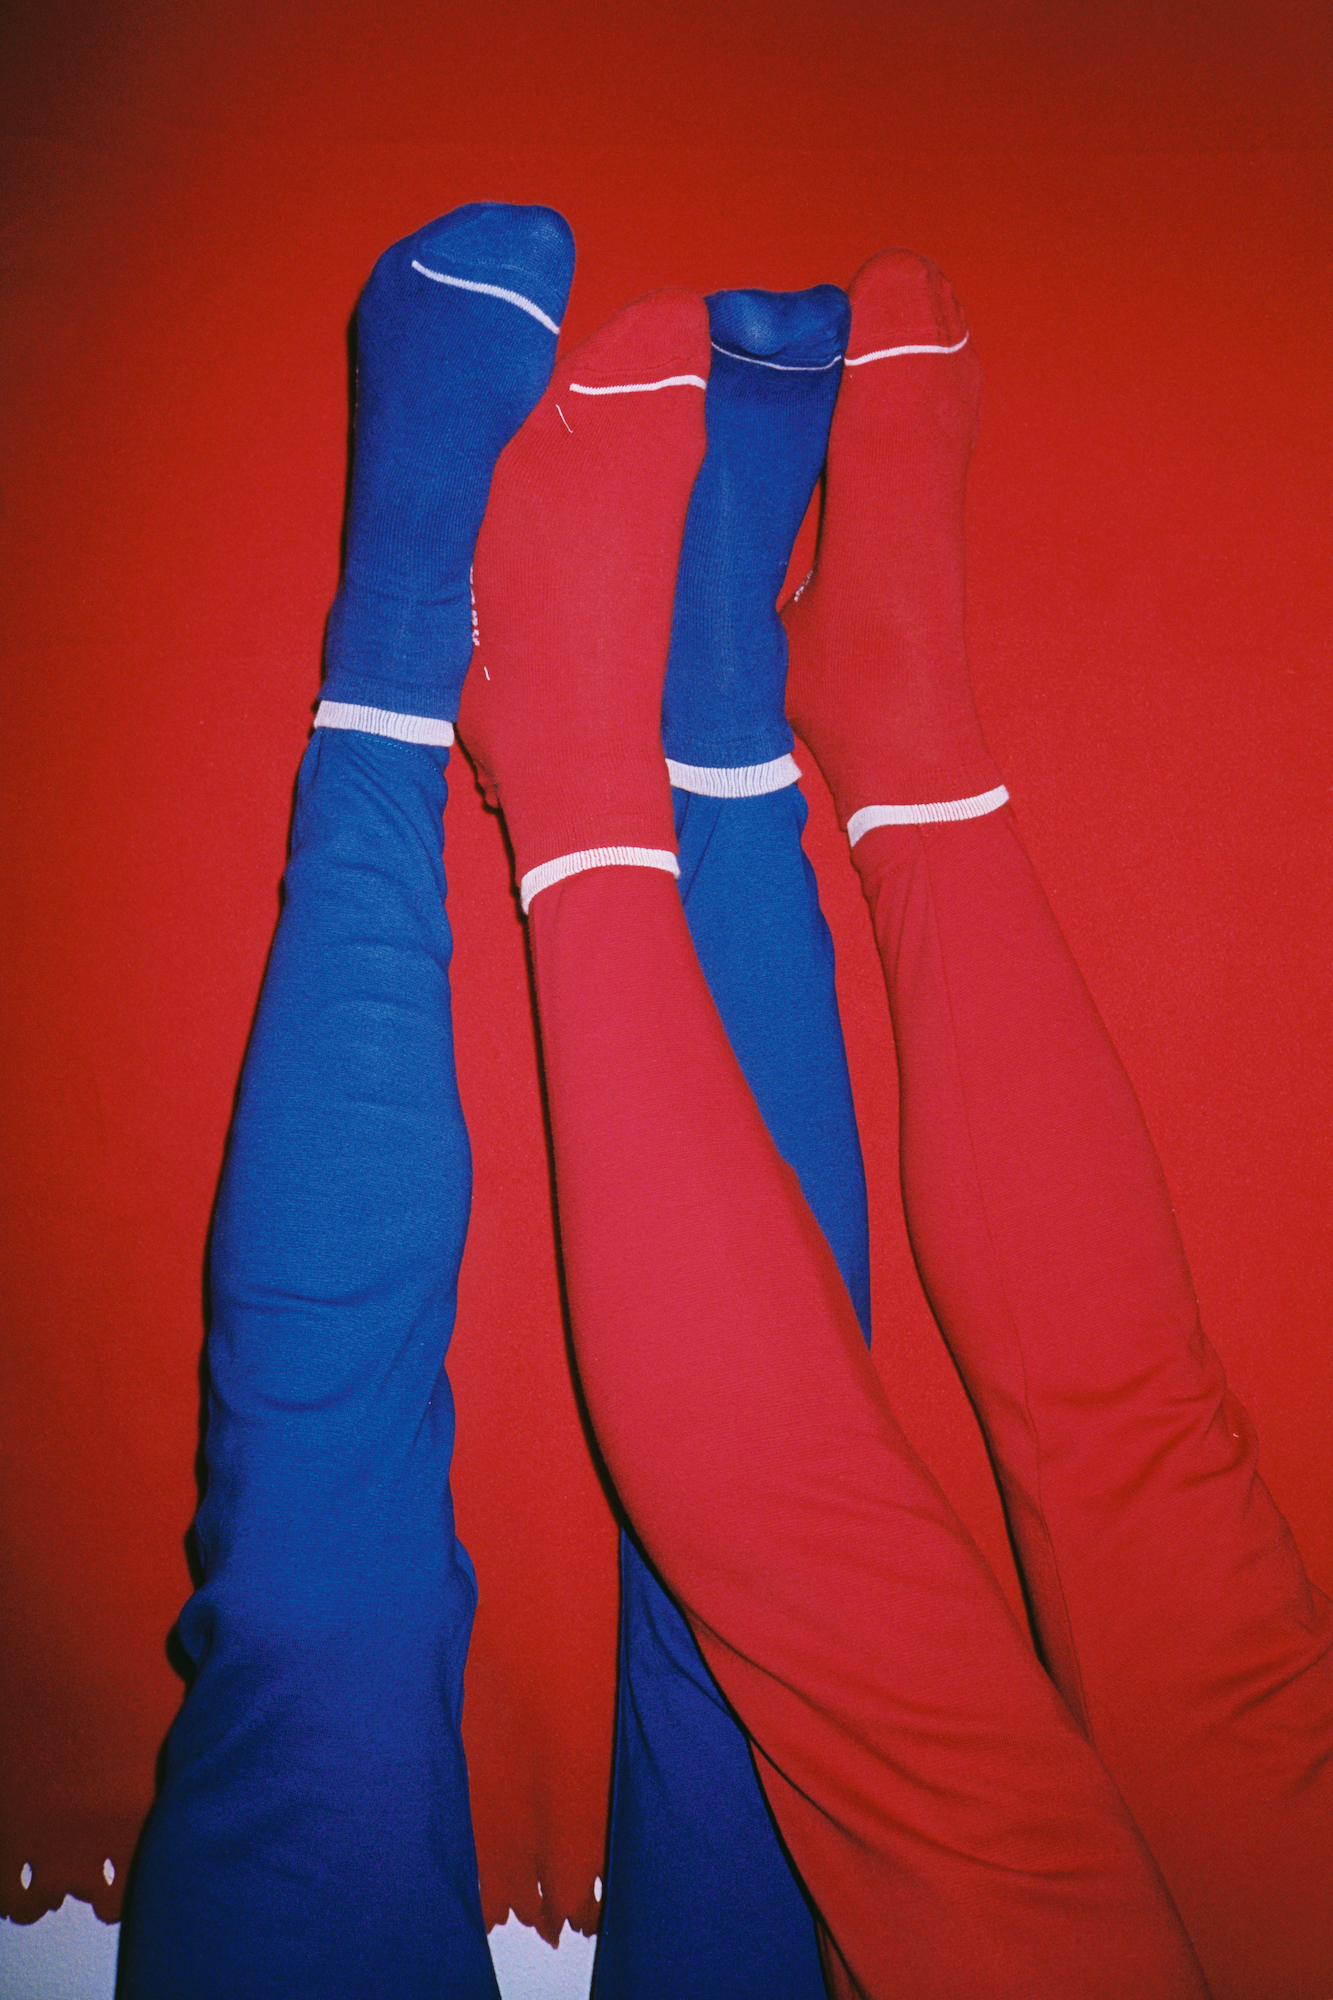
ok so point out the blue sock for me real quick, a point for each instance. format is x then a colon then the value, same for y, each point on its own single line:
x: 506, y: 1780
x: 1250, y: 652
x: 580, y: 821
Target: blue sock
x: 774, y: 377
x: 700, y: 1898
x: 456, y: 334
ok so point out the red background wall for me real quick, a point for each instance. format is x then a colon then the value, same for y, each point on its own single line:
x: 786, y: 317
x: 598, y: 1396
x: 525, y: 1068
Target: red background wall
x: 1133, y: 201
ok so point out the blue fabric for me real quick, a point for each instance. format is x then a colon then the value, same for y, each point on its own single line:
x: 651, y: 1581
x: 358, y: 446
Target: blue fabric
x: 313, y: 1836
x: 699, y: 1899
x: 445, y: 376
x: 700, y: 1902
x: 773, y: 380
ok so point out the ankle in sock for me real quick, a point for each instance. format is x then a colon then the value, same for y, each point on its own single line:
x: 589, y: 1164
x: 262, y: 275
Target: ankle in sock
x: 575, y: 571
x: 879, y: 686
x: 456, y: 336
x: 776, y: 361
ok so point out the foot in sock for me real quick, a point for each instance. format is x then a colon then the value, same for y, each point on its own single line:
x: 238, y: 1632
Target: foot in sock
x: 562, y: 709
x: 699, y: 1897
x: 771, y: 390
x: 456, y: 335
x: 879, y: 684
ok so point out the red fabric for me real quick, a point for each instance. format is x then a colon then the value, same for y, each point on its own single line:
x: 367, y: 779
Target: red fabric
x: 879, y: 686
x: 575, y: 569
x: 1166, y: 1590
x: 939, y: 1801
x: 1133, y: 204
x: 950, y: 1821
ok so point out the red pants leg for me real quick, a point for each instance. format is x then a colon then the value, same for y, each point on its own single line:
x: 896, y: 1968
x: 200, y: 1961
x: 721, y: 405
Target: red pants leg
x: 954, y: 1828
x: 1169, y: 1598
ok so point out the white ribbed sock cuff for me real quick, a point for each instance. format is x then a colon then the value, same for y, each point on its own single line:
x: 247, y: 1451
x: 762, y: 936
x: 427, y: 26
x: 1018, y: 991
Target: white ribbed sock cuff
x: 734, y: 781
x: 541, y: 878
x: 926, y: 815
x: 384, y: 722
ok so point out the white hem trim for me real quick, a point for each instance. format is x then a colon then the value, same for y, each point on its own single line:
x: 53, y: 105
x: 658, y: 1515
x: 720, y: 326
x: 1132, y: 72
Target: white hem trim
x: 638, y: 388
x: 783, y: 367
x: 888, y: 353
x: 734, y: 781
x: 384, y: 722
x: 491, y: 291
x: 551, y: 872
x: 927, y: 815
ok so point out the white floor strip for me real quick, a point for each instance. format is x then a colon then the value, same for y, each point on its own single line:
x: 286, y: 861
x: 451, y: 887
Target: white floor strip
x: 528, y: 1969
x: 66, y: 1955
x: 69, y: 1955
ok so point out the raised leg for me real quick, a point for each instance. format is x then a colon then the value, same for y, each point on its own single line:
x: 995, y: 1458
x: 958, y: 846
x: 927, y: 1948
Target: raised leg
x: 1170, y: 1602
x: 948, y: 1818
x: 700, y: 1899
x: 313, y: 1829
x: 313, y: 1836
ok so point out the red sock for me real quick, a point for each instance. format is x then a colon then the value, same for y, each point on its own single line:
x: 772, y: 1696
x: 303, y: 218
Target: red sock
x: 574, y: 578
x: 878, y: 685
x: 1169, y: 1600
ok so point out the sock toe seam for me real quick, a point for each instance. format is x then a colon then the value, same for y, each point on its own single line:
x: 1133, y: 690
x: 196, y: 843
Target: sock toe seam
x: 492, y: 291
x: 889, y: 353
x: 783, y: 367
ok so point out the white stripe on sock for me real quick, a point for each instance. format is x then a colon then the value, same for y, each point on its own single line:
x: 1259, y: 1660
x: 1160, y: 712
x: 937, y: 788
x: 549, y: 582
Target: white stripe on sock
x: 887, y: 353
x: 784, y: 367
x: 927, y: 815
x: 639, y: 388
x: 384, y: 722
x: 541, y: 878
x: 491, y: 291
x: 734, y: 781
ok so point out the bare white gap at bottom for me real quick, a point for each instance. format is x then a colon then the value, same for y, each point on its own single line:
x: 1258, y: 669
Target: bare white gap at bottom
x: 70, y: 1954
x: 384, y: 722
x: 551, y: 872
x: 925, y: 815
x: 734, y: 781
x: 527, y: 1968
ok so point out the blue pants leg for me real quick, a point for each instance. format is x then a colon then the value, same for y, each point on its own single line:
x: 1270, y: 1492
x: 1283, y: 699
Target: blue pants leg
x: 700, y: 1901
x: 313, y: 1836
